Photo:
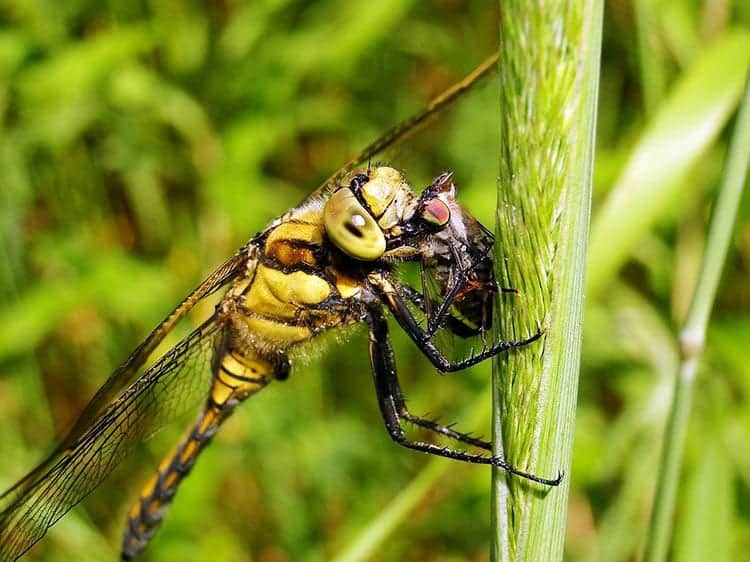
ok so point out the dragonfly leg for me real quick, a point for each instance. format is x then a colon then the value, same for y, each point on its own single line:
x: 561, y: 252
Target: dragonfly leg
x: 236, y: 378
x: 410, y: 325
x: 454, y: 325
x: 383, y: 365
x: 390, y: 379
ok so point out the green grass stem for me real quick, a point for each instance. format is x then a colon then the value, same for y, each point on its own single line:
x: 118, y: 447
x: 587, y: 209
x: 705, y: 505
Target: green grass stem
x: 693, y: 333
x: 549, y: 72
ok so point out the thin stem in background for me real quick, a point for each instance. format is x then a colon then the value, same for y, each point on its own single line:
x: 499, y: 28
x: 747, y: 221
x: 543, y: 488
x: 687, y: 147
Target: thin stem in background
x: 693, y: 333
x: 655, y: 178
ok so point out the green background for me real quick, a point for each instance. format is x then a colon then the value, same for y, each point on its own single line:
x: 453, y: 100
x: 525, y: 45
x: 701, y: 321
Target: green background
x: 143, y: 142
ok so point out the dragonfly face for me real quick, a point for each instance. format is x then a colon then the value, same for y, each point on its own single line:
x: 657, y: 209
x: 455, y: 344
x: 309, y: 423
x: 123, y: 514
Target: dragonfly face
x: 327, y: 263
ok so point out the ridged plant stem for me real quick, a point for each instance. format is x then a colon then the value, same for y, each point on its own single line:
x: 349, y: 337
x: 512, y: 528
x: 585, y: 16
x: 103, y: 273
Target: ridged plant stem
x: 549, y: 73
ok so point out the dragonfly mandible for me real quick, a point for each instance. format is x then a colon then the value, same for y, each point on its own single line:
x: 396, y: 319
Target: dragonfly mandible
x: 325, y: 264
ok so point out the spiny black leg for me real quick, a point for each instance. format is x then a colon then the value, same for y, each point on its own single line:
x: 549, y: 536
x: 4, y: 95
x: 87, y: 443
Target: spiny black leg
x: 434, y: 323
x: 384, y: 372
x: 410, y: 325
x: 390, y: 398
x: 454, y: 325
x: 446, y: 430
x: 390, y: 377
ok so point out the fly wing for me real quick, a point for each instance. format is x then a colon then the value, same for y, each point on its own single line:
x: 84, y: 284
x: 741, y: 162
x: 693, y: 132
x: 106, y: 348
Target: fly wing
x: 167, y: 390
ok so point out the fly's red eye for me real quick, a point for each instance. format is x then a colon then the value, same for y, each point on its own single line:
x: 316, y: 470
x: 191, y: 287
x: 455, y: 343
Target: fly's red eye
x: 436, y: 212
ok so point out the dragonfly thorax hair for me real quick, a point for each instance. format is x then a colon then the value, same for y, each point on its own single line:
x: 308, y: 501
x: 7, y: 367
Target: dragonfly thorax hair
x: 329, y: 263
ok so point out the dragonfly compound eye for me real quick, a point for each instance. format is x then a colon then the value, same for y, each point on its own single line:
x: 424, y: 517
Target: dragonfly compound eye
x: 351, y: 228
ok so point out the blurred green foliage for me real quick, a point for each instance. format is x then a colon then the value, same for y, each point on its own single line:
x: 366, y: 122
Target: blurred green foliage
x: 143, y: 142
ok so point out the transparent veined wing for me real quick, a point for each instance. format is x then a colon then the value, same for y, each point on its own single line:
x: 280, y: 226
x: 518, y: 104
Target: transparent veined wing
x: 406, y: 128
x: 127, y: 372
x: 171, y: 387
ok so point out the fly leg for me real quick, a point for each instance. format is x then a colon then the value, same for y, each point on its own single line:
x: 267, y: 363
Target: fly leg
x: 391, y: 403
x: 236, y: 378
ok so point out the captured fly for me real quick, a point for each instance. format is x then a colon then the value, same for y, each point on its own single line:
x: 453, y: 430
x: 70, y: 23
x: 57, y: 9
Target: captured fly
x: 328, y: 263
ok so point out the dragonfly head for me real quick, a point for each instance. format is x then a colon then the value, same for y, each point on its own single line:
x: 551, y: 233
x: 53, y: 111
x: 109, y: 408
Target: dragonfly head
x: 377, y: 216
x: 364, y: 215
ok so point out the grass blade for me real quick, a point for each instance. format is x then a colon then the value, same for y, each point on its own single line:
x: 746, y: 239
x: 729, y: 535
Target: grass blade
x: 652, y: 182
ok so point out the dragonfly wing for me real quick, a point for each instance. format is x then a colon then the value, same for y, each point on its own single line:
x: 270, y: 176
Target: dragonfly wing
x: 406, y: 128
x: 125, y: 374
x: 166, y: 391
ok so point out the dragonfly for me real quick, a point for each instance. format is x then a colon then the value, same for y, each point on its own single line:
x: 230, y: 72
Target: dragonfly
x: 328, y: 263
